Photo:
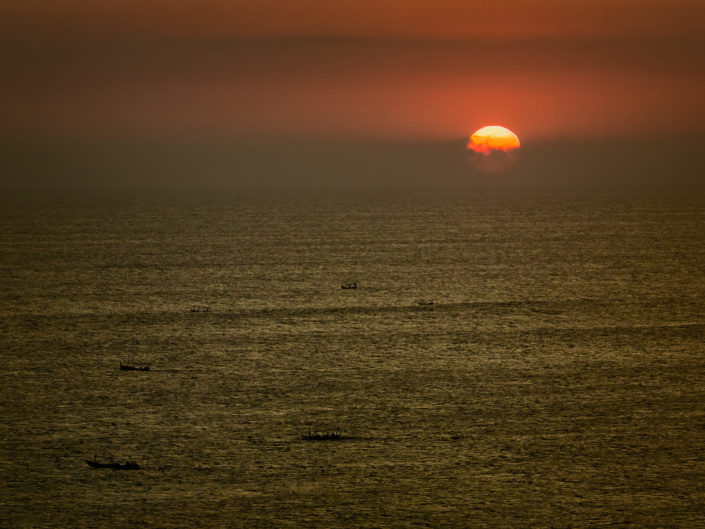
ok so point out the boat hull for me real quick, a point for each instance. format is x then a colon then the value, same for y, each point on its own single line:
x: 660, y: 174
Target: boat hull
x: 130, y: 465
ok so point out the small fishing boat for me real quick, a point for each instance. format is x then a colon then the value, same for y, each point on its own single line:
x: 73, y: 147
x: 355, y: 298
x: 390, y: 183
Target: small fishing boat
x: 329, y: 436
x: 348, y: 286
x: 127, y: 465
x: 137, y: 367
x: 425, y: 302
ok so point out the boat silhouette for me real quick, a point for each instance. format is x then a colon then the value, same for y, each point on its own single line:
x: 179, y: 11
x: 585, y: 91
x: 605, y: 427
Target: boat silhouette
x: 127, y: 465
x: 137, y: 367
x: 329, y: 436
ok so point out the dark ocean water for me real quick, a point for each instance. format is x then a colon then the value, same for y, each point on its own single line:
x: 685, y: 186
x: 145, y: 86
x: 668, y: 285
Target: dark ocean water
x: 556, y: 381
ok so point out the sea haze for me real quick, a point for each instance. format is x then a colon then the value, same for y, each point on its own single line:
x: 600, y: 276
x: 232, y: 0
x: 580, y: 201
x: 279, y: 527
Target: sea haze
x: 661, y: 164
x: 555, y: 381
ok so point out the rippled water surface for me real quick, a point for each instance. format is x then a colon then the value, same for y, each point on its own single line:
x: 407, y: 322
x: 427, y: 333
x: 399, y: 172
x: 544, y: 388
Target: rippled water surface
x: 555, y: 381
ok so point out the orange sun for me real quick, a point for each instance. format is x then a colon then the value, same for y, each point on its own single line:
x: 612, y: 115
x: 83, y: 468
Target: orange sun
x: 493, y: 138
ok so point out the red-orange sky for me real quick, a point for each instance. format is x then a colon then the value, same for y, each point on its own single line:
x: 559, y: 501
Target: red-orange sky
x: 311, y: 68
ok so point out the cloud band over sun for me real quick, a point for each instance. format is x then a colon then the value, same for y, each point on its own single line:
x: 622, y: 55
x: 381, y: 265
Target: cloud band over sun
x: 493, y: 138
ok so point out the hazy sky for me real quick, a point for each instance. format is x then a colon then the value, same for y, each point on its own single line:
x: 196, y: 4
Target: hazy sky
x: 297, y: 70
x: 233, y: 19
x: 365, y: 68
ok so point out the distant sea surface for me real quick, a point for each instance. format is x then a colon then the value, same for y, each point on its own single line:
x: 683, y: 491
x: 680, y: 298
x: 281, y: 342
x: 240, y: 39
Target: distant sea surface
x: 504, y: 362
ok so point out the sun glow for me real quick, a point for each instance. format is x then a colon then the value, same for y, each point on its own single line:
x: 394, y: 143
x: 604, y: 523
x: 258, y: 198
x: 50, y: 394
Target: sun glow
x: 493, y: 138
